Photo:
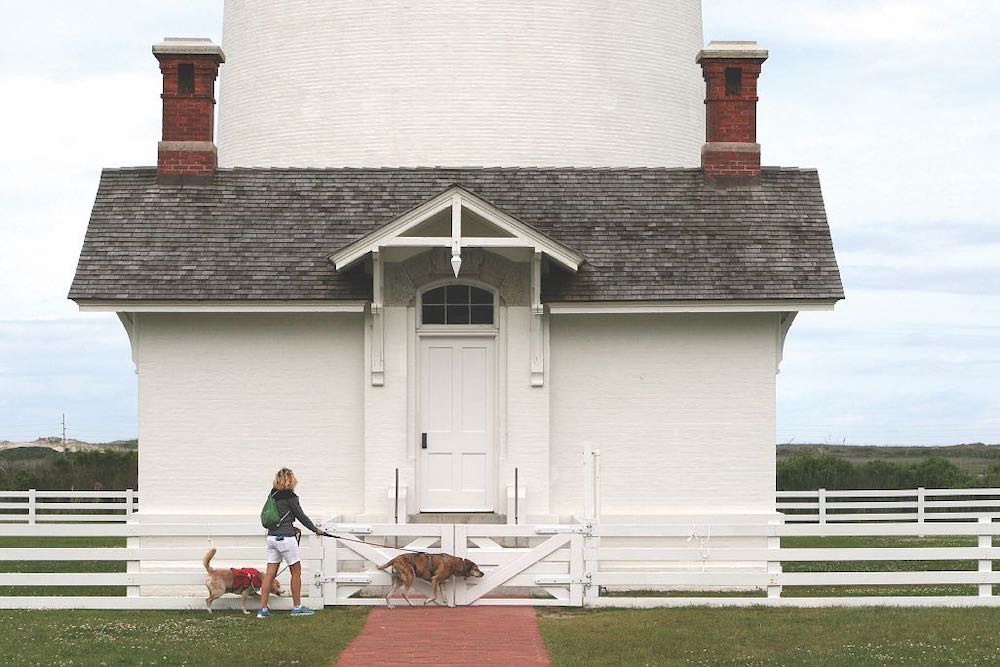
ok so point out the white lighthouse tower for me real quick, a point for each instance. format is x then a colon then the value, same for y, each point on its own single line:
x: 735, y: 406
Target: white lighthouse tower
x: 373, y: 83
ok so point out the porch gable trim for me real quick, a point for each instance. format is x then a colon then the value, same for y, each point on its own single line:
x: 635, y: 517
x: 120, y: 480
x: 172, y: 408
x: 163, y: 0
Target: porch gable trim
x: 522, y: 235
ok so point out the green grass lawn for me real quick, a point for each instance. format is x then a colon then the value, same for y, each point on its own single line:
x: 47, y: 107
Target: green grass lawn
x: 758, y: 636
x: 174, y: 638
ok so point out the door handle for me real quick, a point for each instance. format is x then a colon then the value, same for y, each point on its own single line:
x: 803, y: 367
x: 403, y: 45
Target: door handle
x: 423, y: 441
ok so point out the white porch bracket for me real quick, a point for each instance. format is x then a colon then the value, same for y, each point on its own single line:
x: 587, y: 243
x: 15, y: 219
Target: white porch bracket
x: 784, y: 324
x: 378, y: 325
x: 537, y: 330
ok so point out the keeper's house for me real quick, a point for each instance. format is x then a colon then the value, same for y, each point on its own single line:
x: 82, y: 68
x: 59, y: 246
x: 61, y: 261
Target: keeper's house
x: 308, y: 295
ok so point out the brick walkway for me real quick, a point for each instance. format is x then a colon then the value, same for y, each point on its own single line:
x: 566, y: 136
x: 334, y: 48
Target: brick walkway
x: 478, y: 636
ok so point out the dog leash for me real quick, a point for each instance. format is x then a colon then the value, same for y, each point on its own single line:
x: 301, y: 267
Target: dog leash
x: 372, y: 544
x: 351, y: 539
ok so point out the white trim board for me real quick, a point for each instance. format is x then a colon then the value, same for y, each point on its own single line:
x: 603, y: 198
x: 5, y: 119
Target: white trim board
x: 596, y: 307
x: 522, y: 235
x: 221, y: 306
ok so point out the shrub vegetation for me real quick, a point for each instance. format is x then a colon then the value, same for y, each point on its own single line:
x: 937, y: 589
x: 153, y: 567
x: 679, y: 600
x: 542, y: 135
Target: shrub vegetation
x: 805, y: 472
x: 47, y: 470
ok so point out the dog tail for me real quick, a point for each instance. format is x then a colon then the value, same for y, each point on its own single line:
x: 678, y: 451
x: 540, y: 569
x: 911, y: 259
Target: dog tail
x: 382, y: 567
x: 208, y: 559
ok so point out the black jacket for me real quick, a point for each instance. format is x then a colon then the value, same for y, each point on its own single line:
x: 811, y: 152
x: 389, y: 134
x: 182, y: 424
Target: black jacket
x: 289, y: 510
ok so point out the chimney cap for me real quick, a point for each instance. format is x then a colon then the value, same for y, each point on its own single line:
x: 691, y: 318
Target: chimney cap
x: 726, y: 50
x: 188, y: 46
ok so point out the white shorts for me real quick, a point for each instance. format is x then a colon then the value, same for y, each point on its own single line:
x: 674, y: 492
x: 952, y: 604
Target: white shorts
x: 281, y: 548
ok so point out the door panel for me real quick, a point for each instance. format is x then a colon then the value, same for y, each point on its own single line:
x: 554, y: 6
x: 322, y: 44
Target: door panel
x: 456, y: 413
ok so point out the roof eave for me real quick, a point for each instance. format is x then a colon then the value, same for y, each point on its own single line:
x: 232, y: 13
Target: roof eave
x: 692, y: 306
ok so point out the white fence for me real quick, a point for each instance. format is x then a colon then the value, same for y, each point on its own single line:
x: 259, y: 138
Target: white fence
x: 822, y: 506
x: 67, y: 506
x: 916, y: 505
x: 175, y: 572
x: 595, y: 565
x: 961, y: 555
x: 919, y: 547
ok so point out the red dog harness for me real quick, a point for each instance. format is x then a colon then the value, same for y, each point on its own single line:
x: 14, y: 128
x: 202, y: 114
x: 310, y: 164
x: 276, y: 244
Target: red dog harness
x: 245, y: 577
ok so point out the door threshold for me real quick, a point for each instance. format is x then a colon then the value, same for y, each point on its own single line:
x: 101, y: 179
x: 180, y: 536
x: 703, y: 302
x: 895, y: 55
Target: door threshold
x: 458, y: 517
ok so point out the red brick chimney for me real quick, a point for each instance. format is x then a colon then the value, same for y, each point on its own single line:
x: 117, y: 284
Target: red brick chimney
x: 731, y: 154
x: 187, y: 152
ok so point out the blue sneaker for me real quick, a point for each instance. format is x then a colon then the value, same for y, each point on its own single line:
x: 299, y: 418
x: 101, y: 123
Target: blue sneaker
x: 264, y: 613
x: 302, y: 610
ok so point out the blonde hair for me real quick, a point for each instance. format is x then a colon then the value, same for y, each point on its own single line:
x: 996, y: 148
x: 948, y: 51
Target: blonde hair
x: 285, y: 480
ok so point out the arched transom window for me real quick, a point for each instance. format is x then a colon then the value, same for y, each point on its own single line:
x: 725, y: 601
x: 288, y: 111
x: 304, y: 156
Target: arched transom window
x: 457, y: 304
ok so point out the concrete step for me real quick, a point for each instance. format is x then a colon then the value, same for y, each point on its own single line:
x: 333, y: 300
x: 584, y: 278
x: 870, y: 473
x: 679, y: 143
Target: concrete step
x: 458, y: 517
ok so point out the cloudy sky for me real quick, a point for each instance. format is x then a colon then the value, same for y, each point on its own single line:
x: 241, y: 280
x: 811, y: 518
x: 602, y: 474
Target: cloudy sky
x: 896, y: 103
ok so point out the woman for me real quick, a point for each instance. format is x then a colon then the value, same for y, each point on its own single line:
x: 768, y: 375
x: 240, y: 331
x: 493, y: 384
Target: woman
x: 282, y: 545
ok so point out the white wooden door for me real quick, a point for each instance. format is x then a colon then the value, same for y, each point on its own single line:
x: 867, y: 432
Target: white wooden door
x: 456, y: 424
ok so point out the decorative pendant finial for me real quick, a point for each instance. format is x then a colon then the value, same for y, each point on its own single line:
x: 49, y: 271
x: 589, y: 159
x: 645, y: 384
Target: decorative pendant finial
x: 456, y: 264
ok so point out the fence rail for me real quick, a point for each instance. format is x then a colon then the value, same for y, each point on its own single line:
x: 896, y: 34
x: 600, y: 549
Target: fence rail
x: 903, y: 547
x: 906, y: 505
x: 31, y: 507
x: 598, y: 565
x: 147, y: 560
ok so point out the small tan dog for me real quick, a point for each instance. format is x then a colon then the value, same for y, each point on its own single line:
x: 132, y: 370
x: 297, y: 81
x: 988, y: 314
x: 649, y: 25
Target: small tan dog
x: 435, y: 568
x: 244, y: 582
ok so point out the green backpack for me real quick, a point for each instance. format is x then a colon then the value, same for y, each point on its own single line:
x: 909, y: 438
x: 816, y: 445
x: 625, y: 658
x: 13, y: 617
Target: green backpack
x: 269, y: 517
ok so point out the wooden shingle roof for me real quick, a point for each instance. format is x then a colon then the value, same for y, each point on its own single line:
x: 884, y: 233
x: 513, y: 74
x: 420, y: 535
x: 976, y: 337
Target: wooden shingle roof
x: 646, y: 234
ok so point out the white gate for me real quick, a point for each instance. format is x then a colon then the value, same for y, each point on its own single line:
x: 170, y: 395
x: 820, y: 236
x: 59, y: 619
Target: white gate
x: 350, y: 561
x: 523, y: 565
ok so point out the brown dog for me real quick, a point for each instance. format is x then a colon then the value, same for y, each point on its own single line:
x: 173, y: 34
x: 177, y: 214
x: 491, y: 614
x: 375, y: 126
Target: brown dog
x: 435, y: 568
x: 221, y: 581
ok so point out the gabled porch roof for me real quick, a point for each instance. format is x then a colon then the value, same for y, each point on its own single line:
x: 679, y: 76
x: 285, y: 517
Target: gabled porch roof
x: 474, y: 223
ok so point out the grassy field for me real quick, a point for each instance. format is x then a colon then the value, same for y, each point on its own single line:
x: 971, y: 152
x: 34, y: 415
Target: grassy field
x: 700, y: 636
x: 662, y: 637
x: 61, y: 566
x: 46, y: 638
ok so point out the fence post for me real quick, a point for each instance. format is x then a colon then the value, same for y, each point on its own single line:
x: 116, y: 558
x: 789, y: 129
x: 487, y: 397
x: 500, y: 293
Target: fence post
x: 330, y: 567
x: 597, y: 485
x: 32, y: 506
x: 588, y: 483
x: 822, y: 506
x: 591, y: 565
x: 459, y: 589
x: 134, y: 565
x: 129, y: 503
x: 774, y: 563
x: 985, y: 565
x: 921, y: 507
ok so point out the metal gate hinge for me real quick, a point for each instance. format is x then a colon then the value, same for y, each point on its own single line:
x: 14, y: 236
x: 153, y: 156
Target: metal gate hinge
x: 556, y: 530
x: 560, y: 581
